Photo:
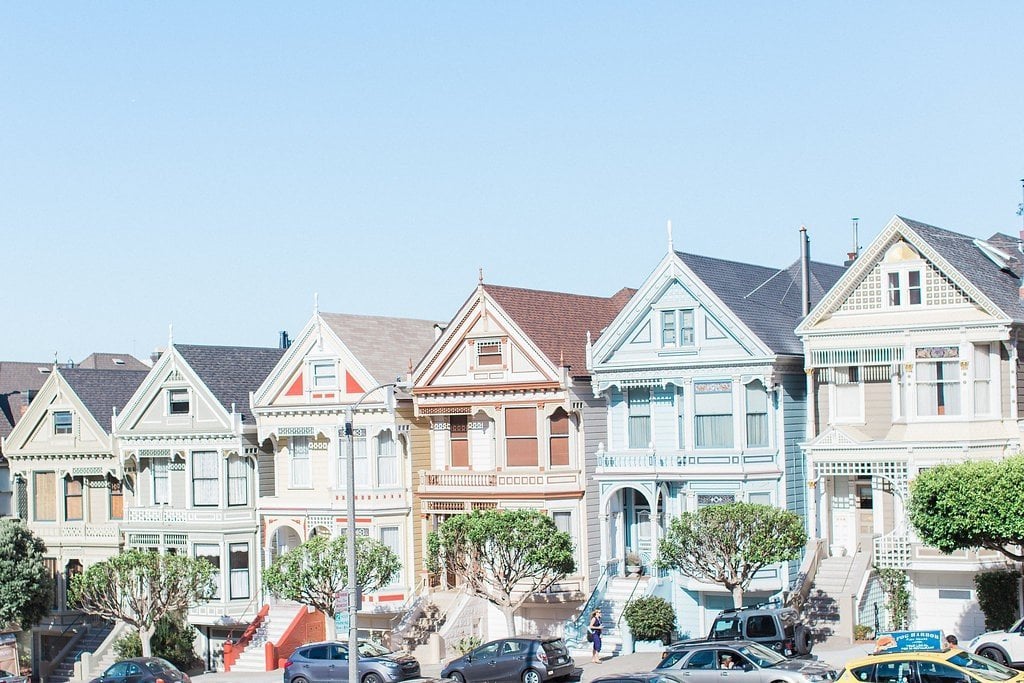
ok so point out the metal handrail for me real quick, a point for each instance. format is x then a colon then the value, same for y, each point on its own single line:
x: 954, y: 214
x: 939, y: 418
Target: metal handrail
x: 574, y: 627
x: 628, y: 600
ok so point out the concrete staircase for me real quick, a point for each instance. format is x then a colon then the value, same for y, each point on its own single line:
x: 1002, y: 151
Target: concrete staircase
x: 834, y: 579
x: 65, y: 669
x: 253, y: 658
x: 616, y: 595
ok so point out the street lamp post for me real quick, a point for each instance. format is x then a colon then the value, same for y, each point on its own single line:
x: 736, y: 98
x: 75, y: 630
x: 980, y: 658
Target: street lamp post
x: 350, y: 534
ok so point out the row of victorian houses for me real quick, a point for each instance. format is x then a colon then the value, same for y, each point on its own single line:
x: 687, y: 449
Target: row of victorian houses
x: 817, y: 388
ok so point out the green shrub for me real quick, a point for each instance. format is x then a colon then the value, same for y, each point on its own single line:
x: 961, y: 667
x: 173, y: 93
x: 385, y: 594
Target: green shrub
x: 174, y: 640
x: 466, y: 644
x: 650, y: 618
x: 995, y: 590
x: 862, y: 632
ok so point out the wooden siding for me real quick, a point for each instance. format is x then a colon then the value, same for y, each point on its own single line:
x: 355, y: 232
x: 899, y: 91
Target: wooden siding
x: 595, y: 431
x: 877, y: 409
x: 419, y: 460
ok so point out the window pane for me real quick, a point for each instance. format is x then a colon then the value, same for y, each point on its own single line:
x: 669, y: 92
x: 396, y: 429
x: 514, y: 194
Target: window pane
x: 713, y: 431
x: 559, y: 450
x: 161, y: 483
x: 982, y: 380
x: 239, y: 563
x: 521, y: 421
x: 522, y: 452
x: 45, y: 496
x: 668, y: 328
x: 712, y: 403
x: 914, y: 287
x: 204, y: 478
x: 459, y: 441
x: 238, y: 480
x: 177, y: 401
x: 211, y: 553
x: 362, y: 462
x: 894, y: 289
x: 387, y: 460
x: 62, y: 422
x: 686, y: 328
x: 301, y: 477
x: 73, y: 499
x: 488, y: 353
x: 116, y: 499
x: 639, y: 431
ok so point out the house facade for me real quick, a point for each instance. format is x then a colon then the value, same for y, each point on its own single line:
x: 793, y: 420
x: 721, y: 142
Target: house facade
x: 19, y: 384
x: 335, y: 365
x: 704, y: 382
x: 187, y: 443
x: 505, y: 396
x: 912, y: 360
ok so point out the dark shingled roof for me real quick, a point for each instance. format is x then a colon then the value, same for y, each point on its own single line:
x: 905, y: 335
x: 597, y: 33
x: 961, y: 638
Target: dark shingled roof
x: 558, y: 322
x: 231, y: 372
x: 17, y: 378
x: 384, y: 346
x: 766, y: 300
x: 109, y: 361
x: 103, y: 390
x: 1001, y: 285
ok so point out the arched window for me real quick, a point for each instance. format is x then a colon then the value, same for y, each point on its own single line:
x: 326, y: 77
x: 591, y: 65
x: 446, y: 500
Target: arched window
x: 558, y: 438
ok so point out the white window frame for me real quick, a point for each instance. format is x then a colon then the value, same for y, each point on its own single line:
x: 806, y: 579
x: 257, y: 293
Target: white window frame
x: 385, y: 458
x: 835, y: 388
x: 673, y: 319
x: 246, y: 571
x: 63, y: 429
x: 396, y: 548
x: 904, y: 287
x: 995, y: 407
x: 747, y: 388
x: 218, y: 571
x: 489, y: 344
x: 329, y: 379
x: 304, y: 464
x: 639, y: 410
x: 205, y: 454
x: 166, y: 467
x: 238, y: 463
x: 171, y: 393
x: 965, y: 398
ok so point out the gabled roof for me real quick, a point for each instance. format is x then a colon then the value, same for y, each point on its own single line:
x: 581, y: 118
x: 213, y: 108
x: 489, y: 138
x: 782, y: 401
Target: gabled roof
x: 766, y: 300
x: 384, y: 346
x: 112, y: 361
x: 231, y: 372
x: 101, y: 391
x: 17, y: 378
x: 558, y: 322
x: 1000, y: 285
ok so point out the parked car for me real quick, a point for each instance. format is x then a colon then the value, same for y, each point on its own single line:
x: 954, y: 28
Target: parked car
x: 642, y: 677
x: 741, y: 661
x: 1005, y: 647
x: 142, y: 670
x: 8, y: 677
x: 777, y: 628
x: 529, y: 660
x: 328, y: 661
x: 940, y: 666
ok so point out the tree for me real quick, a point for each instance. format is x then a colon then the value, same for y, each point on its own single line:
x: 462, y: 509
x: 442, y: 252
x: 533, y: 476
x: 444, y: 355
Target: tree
x: 140, y: 587
x: 973, y: 504
x: 314, y: 572
x: 502, y: 556
x: 729, y: 544
x: 26, y: 589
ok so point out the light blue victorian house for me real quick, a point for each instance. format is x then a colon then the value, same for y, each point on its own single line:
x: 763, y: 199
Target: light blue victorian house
x: 706, y: 395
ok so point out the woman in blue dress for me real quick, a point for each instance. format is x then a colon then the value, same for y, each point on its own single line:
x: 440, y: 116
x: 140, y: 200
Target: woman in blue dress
x: 594, y: 628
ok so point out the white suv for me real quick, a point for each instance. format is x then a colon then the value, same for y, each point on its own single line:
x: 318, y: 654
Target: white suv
x: 1005, y: 647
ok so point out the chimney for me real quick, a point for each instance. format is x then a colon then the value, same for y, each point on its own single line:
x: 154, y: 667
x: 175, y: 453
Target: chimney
x: 155, y: 356
x: 852, y: 255
x: 805, y: 271
x: 283, y: 342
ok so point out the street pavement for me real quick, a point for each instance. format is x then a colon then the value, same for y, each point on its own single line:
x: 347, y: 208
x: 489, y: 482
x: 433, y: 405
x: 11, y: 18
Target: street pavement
x: 586, y: 670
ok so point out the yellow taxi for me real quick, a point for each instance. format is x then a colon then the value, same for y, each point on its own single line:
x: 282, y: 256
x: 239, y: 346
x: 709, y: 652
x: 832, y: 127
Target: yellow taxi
x: 924, y: 660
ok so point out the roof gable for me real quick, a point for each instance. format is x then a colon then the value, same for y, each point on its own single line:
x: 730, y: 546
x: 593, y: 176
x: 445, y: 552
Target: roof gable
x: 956, y: 271
x: 18, y: 382
x: 231, y: 372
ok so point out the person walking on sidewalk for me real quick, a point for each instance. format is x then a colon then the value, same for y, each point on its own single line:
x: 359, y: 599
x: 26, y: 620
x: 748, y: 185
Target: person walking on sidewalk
x: 594, y: 628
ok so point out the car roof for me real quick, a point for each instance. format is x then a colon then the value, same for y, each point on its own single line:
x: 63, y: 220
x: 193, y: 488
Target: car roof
x: 688, y: 644
x: 925, y: 655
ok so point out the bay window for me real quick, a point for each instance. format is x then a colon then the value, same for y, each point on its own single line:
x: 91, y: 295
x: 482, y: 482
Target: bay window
x: 558, y: 441
x: 712, y: 407
x: 757, y: 415
x: 238, y: 563
x: 387, y: 460
x: 301, y: 465
x: 937, y: 378
x: 211, y: 553
x: 238, y: 480
x: 458, y: 440
x: 161, y: 482
x: 638, y: 402
x: 521, y: 437
x: 205, y: 482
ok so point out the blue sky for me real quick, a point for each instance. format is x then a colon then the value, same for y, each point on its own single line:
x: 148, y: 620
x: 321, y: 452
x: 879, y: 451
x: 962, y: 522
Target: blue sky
x: 213, y: 165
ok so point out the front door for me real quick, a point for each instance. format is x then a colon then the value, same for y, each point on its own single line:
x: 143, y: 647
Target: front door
x: 865, y: 501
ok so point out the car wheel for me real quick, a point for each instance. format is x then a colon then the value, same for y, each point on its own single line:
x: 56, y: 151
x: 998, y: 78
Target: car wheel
x: 457, y: 677
x: 298, y: 679
x: 995, y: 655
x: 531, y: 676
x: 802, y: 640
x: 372, y: 678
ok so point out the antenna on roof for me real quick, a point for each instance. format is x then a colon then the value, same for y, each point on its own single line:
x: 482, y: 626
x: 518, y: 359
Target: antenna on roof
x: 316, y: 303
x: 670, y: 247
x: 852, y: 255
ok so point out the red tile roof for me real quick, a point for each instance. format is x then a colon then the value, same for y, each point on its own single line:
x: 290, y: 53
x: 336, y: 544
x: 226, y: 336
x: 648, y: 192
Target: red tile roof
x: 558, y: 322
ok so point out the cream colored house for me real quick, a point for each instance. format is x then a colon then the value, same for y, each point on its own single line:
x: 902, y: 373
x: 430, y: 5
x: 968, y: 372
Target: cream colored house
x: 336, y: 363
x: 912, y: 360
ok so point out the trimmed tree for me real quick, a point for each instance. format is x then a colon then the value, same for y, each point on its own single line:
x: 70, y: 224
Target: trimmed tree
x: 140, y: 587
x: 728, y: 544
x: 502, y: 556
x: 314, y: 572
x: 973, y: 504
x: 26, y: 588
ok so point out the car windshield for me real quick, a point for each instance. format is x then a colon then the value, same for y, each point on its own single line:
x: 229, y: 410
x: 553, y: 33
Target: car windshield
x: 761, y: 655
x: 371, y: 649
x: 981, y: 666
x: 158, y: 665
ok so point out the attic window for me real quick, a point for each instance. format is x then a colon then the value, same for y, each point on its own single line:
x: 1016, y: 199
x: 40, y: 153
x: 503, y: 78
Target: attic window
x: 62, y: 422
x: 488, y: 352
x: 177, y: 401
x: 117, y: 361
x: 44, y: 370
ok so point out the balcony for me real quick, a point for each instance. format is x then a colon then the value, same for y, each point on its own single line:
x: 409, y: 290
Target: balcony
x: 78, y: 533
x: 681, y: 463
x: 215, y: 518
x: 497, y: 483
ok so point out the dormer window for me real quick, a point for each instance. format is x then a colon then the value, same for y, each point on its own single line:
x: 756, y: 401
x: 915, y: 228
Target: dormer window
x: 177, y: 402
x: 325, y: 375
x: 677, y: 328
x: 62, y: 422
x: 903, y: 269
x: 488, y: 352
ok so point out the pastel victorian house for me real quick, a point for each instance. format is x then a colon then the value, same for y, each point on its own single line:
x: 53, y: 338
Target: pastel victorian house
x: 71, y: 488
x: 506, y: 396
x: 188, y: 447
x: 335, y: 364
x: 912, y: 360
x: 19, y: 384
x: 704, y: 382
